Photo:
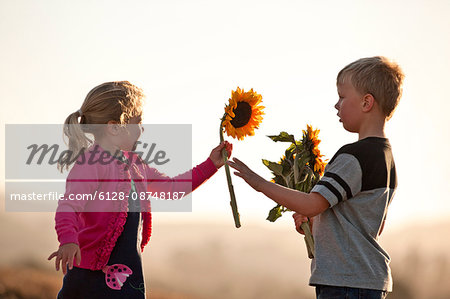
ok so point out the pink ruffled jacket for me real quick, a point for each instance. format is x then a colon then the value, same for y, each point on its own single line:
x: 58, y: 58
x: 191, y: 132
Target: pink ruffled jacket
x: 96, y: 232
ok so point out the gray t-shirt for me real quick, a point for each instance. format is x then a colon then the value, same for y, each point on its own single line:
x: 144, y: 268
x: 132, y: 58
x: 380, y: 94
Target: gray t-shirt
x: 359, y: 183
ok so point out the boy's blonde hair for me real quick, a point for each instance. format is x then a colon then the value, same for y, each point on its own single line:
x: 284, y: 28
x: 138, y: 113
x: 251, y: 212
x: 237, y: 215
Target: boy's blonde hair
x: 117, y: 101
x: 378, y: 76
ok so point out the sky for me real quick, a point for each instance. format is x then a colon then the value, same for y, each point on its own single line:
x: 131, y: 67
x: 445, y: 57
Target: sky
x: 188, y: 56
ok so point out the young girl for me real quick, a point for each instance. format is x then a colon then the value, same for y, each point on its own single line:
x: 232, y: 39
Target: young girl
x: 105, y: 238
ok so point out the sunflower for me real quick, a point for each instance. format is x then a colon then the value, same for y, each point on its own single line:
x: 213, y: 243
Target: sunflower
x: 311, y: 143
x: 243, y: 113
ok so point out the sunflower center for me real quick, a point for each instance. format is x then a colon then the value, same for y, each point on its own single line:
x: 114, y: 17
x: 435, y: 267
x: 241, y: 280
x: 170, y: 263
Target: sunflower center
x: 243, y: 113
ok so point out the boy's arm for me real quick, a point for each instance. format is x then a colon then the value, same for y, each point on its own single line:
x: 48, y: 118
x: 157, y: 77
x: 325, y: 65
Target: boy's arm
x: 299, y: 219
x: 309, y: 205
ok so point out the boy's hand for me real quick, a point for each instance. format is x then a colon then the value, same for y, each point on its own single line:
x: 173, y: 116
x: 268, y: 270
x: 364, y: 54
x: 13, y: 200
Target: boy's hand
x: 253, y: 179
x: 216, y: 153
x: 299, y: 219
x: 66, y: 253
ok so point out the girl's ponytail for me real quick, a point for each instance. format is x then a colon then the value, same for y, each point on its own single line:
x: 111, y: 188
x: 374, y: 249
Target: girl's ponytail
x: 77, y: 140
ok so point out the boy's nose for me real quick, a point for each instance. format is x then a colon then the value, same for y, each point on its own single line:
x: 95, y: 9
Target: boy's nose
x: 337, y: 105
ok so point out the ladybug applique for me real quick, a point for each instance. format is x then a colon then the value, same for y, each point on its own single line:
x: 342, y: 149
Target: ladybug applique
x: 116, y: 275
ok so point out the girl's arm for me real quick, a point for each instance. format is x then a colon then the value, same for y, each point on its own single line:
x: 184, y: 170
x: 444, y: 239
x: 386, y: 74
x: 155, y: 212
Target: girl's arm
x: 308, y: 204
x: 66, y: 254
x: 192, y: 179
x: 216, y: 153
x: 82, y: 179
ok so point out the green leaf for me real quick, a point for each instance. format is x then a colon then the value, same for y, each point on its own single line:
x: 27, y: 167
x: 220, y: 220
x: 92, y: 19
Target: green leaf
x: 275, y: 167
x: 275, y: 213
x: 283, y: 137
x: 299, y: 186
x: 290, y: 152
x: 279, y: 180
x: 287, y: 170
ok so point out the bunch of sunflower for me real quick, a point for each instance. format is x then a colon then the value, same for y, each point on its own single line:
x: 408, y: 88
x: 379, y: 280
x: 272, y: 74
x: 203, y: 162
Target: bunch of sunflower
x: 243, y: 114
x: 300, y: 168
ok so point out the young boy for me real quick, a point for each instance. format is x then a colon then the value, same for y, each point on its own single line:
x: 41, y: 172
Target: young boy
x: 349, y: 204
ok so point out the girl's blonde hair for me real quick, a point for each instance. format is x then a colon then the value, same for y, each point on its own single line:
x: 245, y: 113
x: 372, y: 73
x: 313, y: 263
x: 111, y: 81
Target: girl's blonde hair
x: 111, y: 101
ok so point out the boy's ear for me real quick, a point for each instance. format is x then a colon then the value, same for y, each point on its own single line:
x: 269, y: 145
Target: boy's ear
x: 367, y: 102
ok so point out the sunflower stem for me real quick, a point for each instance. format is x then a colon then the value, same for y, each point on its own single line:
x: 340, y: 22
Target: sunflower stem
x: 233, y: 203
x: 308, y: 239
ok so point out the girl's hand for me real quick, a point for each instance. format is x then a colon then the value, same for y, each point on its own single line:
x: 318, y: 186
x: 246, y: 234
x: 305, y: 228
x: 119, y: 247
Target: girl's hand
x: 253, y: 179
x: 66, y: 253
x: 299, y: 219
x: 216, y: 153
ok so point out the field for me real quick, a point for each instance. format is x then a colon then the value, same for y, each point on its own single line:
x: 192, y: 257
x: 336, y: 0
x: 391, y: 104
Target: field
x: 214, y: 260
